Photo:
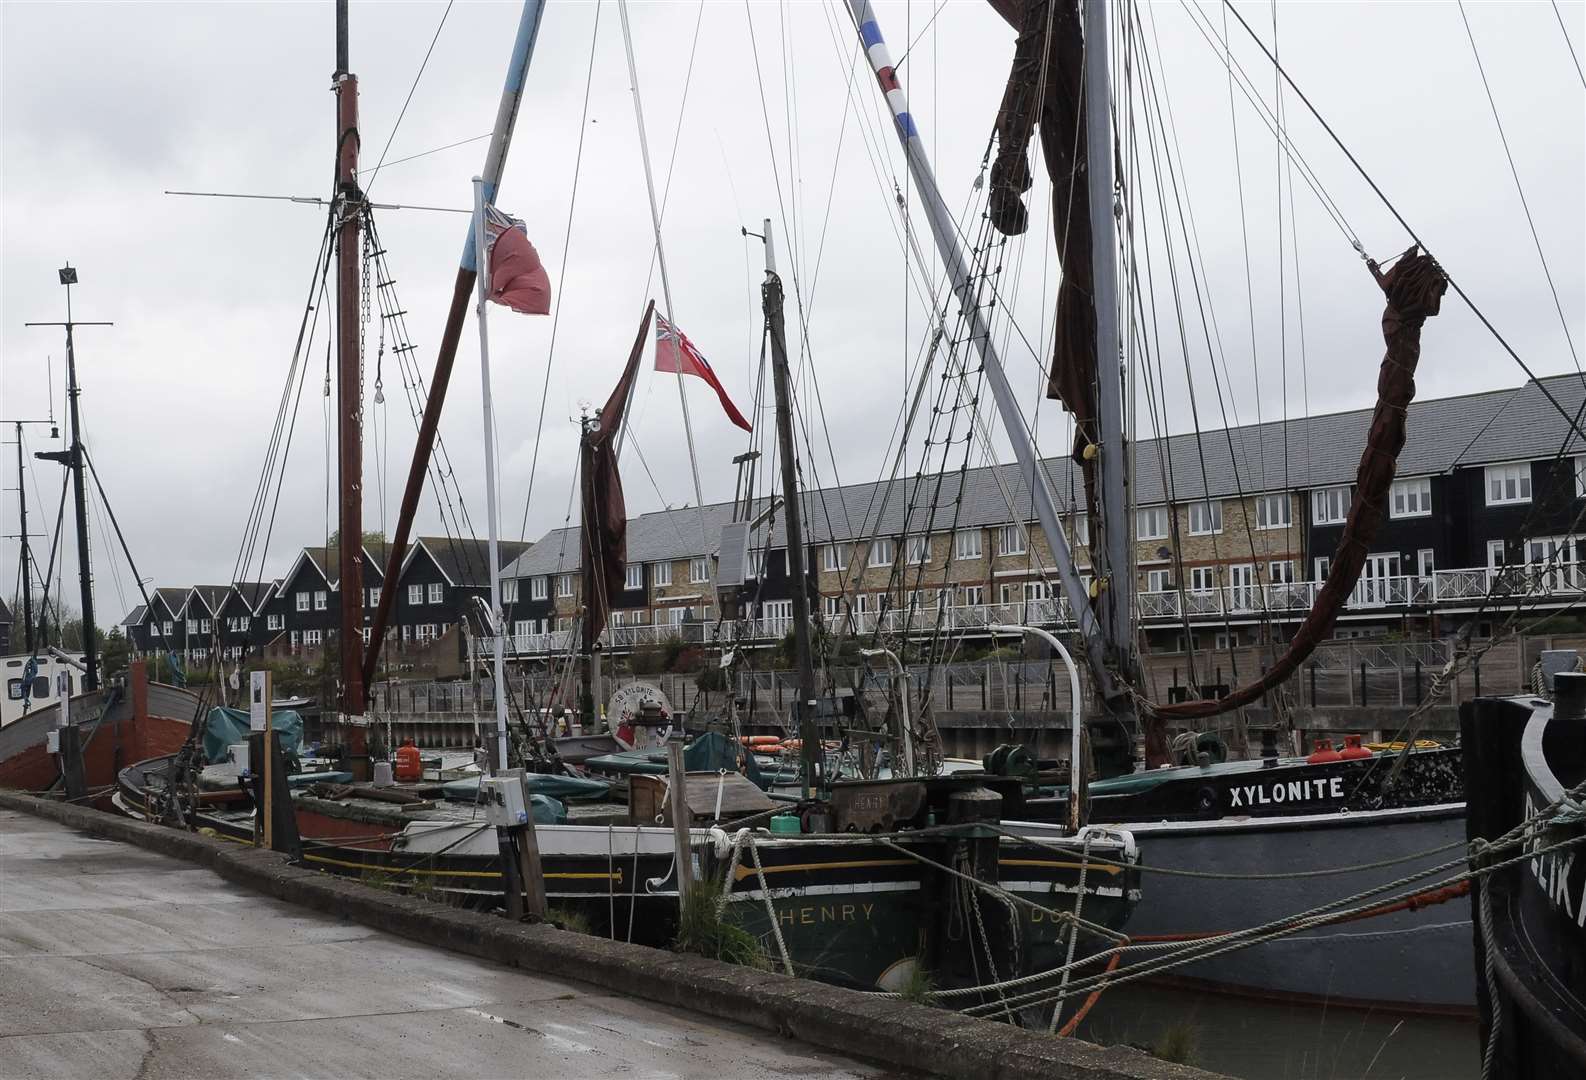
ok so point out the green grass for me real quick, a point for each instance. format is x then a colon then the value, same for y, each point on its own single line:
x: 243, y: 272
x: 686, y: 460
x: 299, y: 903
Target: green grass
x: 1178, y: 1043
x: 704, y: 932
x: 574, y: 922
x: 920, y: 987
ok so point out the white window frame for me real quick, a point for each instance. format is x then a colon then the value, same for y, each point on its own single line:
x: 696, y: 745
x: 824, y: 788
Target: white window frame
x: 192, y: 627
x: 1507, y: 485
x: 1274, y: 512
x: 415, y: 594
x: 1580, y: 476
x: 539, y: 587
x: 374, y: 596
x: 275, y: 622
x: 834, y: 557
x: 1321, y: 567
x: 1079, y: 528
x: 699, y: 569
x: 833, y: 606
x: 205, y: 626
x: 509, y: 591
x: 1411, y: 498
x: 661, y: 573
x: 1330, y: 505
x: 756, y: 566
x: 564, y: 585
x: 321, y: 600
x: 967, y: 544
x: 435, y: 592
x: 883, y: 550
x: 918, y: 550
x: 1203, y: 579
x: 170, y: 628
x: 632, y: 576
x: 313, y: 637
x: 292, y: 638
x: 1010, y: 541
x: 973, y: 595
x: 303, y: 599
x: 1280, y: 572
x: 1151, y: 523
x: 1159, y: 581
x: 1425, y: 562
x: 1209, y: 508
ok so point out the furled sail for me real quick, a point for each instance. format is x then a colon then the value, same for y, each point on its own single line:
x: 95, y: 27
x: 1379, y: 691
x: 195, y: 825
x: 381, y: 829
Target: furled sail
x: 1046, y: 84
x: 603, y: 512
x: 1414, y: 288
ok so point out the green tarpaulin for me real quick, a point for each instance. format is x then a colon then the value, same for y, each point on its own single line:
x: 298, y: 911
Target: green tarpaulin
x: 228, y: 726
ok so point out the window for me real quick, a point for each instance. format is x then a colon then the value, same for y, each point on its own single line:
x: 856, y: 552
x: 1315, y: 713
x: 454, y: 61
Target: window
x: 1010, y: 540
x: 1158, y: 580
x: 1203, y: 578
x: 1205, y: 518
x: 199, y: 654
x: 919, y: 549
x: 564, y: 585
x: 674, y: 615
x: 275, y: 622
x: 415, y: 595
x: 1329, y: 506
x: 1323, y: 565
x: 661, y: 573
x: 302, y: 601
x: 313, y: 637
x: 407, y: 634
x: 1037, y: 590
x: 1580, y: 477
x: 1425, y: 562
x: 1151, y: 523
x: 424, y: 632
x: 539, y: 588
x: 169, y: 627
x: 1508, y: 484
x: 1281, y: 572
x: 205, y: 625
x: 374, y: 596
x: 522, y: 628
x: 320, y: 600
x: 973, y: 595
x: 699, y: 570
x: 882, y: 551
x: 834, y: 557
x: 1005, y: 593
x: 1272, y: 512
x: 756, y: 565
x: 1411, y: 498
x: 1081, y: 527
x: 509, y: 591
x: 833, y: 606
x: 437, y: 592
x: 192, y: 627
x: 1495, y: 554
x: 966, y: 544
x: 292, y: 638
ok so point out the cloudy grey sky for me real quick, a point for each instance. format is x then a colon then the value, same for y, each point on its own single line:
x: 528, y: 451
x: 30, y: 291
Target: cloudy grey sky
x: 106, y: 105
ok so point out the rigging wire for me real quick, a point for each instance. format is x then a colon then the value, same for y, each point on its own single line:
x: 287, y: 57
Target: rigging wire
x: 408, y: 101
x: 1519, y: 188
x: 1453, y: 283
x: 1568, y: 44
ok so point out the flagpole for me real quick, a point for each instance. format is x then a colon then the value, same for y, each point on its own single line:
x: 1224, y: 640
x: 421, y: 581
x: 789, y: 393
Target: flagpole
x: 666, y: 283
x: 497, y: 614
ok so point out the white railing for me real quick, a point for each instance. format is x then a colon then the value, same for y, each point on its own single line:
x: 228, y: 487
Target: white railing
x: 1482, y: 583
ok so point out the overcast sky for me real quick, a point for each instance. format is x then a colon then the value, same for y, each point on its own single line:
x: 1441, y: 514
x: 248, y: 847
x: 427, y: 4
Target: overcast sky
x: 107, y: 105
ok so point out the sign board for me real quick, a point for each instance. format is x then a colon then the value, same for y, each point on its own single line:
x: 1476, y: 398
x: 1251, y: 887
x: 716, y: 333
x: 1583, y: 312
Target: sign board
x: 258, y: 700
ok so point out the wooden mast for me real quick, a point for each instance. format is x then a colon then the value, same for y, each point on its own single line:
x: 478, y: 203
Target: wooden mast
x: 349, y: 407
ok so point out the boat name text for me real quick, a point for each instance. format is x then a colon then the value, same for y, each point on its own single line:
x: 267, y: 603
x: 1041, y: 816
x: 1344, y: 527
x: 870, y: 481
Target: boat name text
x: 1293, y: 791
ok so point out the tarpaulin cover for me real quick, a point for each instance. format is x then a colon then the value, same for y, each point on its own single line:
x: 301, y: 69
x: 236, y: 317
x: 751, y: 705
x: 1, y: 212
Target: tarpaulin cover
x: 226, y: 727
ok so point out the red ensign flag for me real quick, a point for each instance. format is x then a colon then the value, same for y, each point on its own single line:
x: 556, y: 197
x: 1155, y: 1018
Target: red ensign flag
x: 517, y: 277
x: 674, y: 352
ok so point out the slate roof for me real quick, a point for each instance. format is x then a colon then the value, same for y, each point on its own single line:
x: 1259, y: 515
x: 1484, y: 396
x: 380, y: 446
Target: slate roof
x: 175, y: 600
x: 212, y: 595
x: 466, y: 561
x: 328, y: 559
x: 253, y: 593
x: 134, y: 617
x: 5, y: 612
x: 1514, y: 424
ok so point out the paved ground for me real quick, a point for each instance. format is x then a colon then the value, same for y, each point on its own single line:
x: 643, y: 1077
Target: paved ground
x: 117, y: 962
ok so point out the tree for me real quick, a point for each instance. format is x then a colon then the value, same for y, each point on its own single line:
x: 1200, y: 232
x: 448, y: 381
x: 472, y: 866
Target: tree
x: 371, y: 538
x: 113, y: 650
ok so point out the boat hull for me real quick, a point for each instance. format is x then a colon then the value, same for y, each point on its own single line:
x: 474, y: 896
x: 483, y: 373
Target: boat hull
x: 112, y: 737
x: 1412, y: 960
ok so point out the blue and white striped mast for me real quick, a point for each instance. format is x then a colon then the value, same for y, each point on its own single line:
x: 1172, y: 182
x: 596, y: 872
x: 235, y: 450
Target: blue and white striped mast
x: 1109, y: 640
x: 486, y: 186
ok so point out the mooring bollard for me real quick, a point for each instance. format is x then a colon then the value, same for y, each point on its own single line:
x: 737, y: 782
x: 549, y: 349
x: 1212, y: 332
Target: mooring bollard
x: 677, y: 807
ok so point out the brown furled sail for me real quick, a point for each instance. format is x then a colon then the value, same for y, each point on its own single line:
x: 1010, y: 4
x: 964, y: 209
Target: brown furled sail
x: 1414, y: 288
x: 1046, y: 84
x: 603, y: 514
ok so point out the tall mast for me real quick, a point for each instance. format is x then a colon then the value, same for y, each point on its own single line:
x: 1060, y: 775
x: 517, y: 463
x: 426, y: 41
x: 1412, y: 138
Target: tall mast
x: 944, y: 231
x: 462, y: 291
x: 1115, y: 601
x: 349, y: 401
x: 497, y: 608
x: 72, y: 458
x: 771, y: 300
x: 27, y: 573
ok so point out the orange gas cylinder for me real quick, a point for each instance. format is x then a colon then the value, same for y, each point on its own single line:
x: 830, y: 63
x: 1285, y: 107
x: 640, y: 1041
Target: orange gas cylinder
x: 409, y: 766
x: 1324, y: 752
x: 1352, y: 748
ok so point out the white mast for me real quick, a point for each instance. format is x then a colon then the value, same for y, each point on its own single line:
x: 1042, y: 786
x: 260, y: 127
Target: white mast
x: 497, y: 609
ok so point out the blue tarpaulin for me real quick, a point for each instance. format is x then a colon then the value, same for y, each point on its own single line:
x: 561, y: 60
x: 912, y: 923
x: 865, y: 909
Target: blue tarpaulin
x: 228, y: 726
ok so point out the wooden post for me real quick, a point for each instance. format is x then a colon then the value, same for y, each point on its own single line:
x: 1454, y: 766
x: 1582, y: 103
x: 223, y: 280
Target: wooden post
x: 677, y: 780
x: 259, y: 694
x: 72, y: 757
x: 527, y: 842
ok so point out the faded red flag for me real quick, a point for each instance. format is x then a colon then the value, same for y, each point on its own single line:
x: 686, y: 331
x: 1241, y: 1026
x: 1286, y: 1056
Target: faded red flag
x: 517, y: 277
x: 674, y: 352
